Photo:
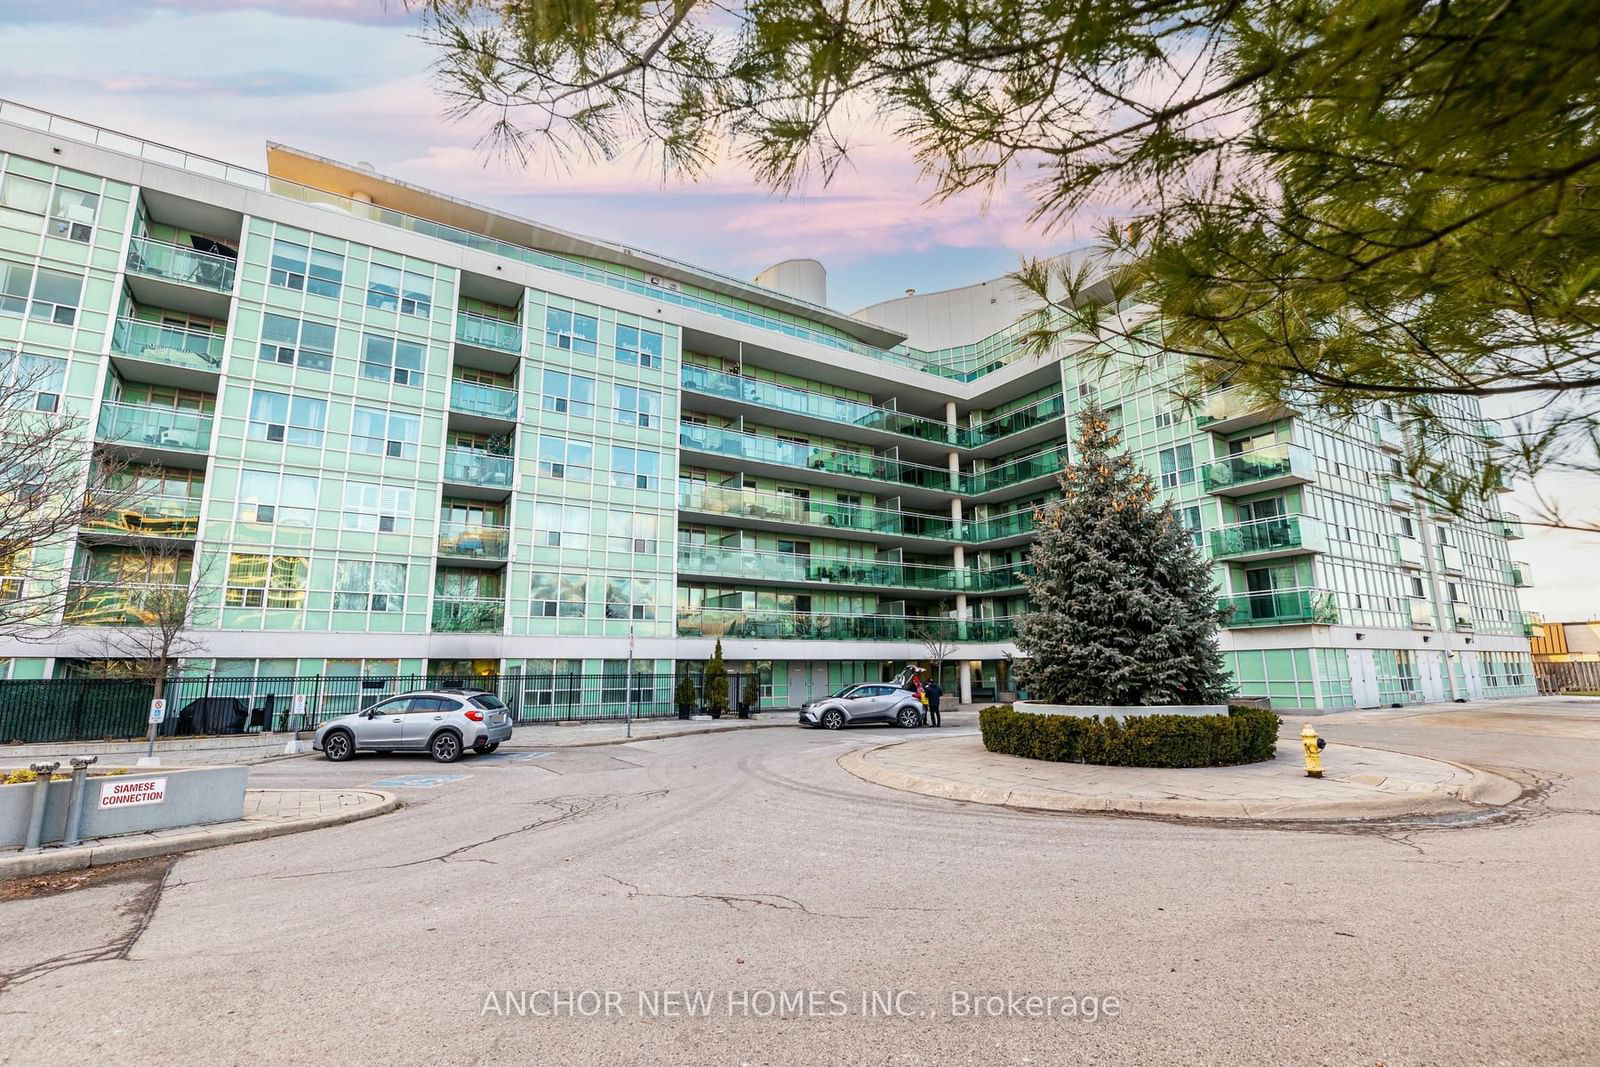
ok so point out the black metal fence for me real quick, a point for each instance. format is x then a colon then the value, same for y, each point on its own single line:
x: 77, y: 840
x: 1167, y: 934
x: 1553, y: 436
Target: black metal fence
x: 87, y: 709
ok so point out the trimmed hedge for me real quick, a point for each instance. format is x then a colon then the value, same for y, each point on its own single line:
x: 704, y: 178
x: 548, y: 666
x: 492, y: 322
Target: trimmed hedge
x: 1244, y: 735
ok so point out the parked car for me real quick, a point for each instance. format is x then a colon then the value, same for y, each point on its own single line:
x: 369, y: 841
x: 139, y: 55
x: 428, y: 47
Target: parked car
x: 442, y: 722
x: 864, y: 702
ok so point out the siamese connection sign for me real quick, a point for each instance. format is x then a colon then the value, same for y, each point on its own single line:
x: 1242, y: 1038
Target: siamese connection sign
x: 128, y: 792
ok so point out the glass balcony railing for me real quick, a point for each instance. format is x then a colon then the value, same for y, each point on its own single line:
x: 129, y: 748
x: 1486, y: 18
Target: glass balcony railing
x: 758, y: 448
x: 172, y: 345
x: 1051, y: 409
x: 490, y: 401
x: 177, y: 263
x: 1460, y: 616
x: 1408, y: 551
x: 739, y: 623
x: 1388, y: 435
x: 474, y: 540
x: 468, y: 466
x: 1249, y: 471
x: 803, y: 511
x: 1280, y: 607
x: 1421, y: 615
x: 468, y: 615
x: 122, y: 603
x: 151, y: 518
x: 140, y: 426
x: 1010, y: 524
x: 481, y: 331
x: 1398, y: 494
x: 1511, y: 527
x: 1234, y: 409
x: 1528, y: 626
x: 1518, y: 575
x: 712, y: 561
x: 1450, y: 559
x: 1016, y: 471
x: 1283, y: 535
x: 819, y: 406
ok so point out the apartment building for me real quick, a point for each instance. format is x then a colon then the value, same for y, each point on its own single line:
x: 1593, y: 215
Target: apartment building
x: 383, y: 430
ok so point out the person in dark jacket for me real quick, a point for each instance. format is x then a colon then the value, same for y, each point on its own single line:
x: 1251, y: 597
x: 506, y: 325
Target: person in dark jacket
x: 933, y: 693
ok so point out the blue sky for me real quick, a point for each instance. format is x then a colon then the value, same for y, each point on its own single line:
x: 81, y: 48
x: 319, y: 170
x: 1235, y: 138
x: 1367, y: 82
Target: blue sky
x: 348, y: 79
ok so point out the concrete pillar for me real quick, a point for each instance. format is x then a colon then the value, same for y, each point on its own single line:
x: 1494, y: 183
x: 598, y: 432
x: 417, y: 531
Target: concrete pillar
x: 950, y: 421
x: 966, y: 681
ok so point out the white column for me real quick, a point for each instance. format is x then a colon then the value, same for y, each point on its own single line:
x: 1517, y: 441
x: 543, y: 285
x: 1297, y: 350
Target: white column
x: 966, y: 681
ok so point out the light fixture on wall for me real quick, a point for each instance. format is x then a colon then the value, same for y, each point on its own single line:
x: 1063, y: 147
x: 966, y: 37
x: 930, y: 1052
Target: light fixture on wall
x: 1426, y: 638
x: 1469, y: 640
x: 1361, y: 637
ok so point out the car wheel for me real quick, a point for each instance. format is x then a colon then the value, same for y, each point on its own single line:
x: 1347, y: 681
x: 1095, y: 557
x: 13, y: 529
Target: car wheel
x: 445, y: 747
x: 909, y: 717
x: 338, y: 746
x: 833, y: 719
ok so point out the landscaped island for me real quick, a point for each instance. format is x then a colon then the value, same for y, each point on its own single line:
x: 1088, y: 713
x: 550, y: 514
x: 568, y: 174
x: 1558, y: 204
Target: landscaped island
x: 1244, y: 735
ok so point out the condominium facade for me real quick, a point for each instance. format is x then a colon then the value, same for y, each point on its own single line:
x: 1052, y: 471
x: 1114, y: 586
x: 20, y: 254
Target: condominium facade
x: 383, y: 430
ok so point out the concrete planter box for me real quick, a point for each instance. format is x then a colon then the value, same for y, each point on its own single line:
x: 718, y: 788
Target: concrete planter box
x: 1122, y: 714
x: 189, y: 796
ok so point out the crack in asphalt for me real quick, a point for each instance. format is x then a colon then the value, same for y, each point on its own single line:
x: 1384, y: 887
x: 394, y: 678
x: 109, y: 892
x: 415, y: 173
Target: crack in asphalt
x: 143, y: 909
x: 733, y: 900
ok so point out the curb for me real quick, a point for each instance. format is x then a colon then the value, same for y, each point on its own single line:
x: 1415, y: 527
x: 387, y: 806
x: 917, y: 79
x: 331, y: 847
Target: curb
x: 53, y: 860
x: 1485, y: 789
x: 535, y: 746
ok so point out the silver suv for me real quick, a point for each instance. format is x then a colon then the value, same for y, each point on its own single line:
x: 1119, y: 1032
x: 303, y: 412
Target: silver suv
x: 442, y: 722
x: 864, y: 702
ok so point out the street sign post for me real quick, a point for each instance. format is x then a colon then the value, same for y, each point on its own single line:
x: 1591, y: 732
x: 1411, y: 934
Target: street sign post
x: 158, y: 715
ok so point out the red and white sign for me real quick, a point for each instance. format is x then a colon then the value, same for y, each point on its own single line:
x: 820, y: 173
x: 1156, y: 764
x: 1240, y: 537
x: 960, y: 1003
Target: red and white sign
x: 129, y: 792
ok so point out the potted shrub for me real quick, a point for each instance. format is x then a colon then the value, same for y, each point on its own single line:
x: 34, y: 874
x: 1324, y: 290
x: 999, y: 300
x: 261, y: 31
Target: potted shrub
x: 750, y: 694
x: 716, y: 684
x: 683, y: 696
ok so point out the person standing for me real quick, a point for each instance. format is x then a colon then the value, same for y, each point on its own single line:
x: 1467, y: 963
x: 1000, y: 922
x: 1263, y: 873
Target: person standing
x: 933, y: 693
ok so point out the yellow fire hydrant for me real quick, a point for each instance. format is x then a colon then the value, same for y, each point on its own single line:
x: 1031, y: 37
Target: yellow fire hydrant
x: 1313, y: 746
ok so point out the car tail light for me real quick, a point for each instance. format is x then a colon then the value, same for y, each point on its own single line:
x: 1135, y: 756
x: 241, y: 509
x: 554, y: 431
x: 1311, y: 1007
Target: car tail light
x: 474, y: 714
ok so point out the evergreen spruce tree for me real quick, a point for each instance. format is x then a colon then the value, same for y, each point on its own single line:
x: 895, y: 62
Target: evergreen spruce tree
x: 1122, y: 606
x: 715, y: 684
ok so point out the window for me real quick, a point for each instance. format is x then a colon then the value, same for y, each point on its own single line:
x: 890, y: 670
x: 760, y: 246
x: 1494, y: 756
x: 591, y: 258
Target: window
x: 292, y: 341
x: 72, y: 214
x: 1407, y: 528
x: 571, y: 460
x: 399, y: 290
x: 638, y: 347
x: 1163, y: 419
x: 1454, y: 592
x: 560, y: 525
x: 1189, y: 519
x: 630, y: 531
x: 285, y: 418
x: 365, y: 585
x: 26, y: 195
x: 1177, y: 466
x: 377, y: 432
x: 1417, y: 591
x: 631, y: 598
x: 568, y: 394
x: 570, y: 331
x: 563, y: 596
x: 32, y: 381
x: 54, y: 294
x: 636, y: 407
x: 378, y: 508
x: 266, y: 581
x: 313, y: 270
x: 634, y: 468
x: 389, y: 359
x: 273, y: 499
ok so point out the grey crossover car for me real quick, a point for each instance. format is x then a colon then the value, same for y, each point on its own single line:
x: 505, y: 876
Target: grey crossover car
x: 864, y: 702
x: 442, y: 722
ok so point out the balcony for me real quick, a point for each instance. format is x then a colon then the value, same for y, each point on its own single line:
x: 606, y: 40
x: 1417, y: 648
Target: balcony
x: 482, y: 475
x: 1280, y: 607
x: 161, y: 274
x: 155, y: 432
x: 474, y: 541
x: 794, y: 625
x: 493, y: 335
x: 1421, y: 615
x: 784, y: 457
x: 1388, y: 435
x: 178, y: 518
x: 1450, y: 559
x: 171, y: 346
x: 738, y: 392
x: 468, y: 615
x: 1045, y: 415
x: 785, y: 510
x: 1015, y: 472
x: 121, y: 603
x: 1461, y: 617
x: 1518, y: 575
x: 1287, y: 535
x: 1510, y: 527
x: 1397, y: 494
x: 1259, y: 470
x: 1228, y: 410
x: 1528, y: 626
x: 1408, y: 551
x: 1015, y: 524
x: 483, y: 408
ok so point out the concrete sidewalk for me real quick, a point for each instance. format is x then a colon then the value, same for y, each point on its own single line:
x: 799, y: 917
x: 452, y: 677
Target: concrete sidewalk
x: 267, y: 813
x: 1358, y: 783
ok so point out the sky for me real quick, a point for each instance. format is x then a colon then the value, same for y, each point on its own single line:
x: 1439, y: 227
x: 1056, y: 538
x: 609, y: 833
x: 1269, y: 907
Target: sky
x: 349, y: 79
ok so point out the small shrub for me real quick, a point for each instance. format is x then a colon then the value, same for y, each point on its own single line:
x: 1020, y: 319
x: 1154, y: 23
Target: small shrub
x: 685, y: 695
x: 1243, y: 735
